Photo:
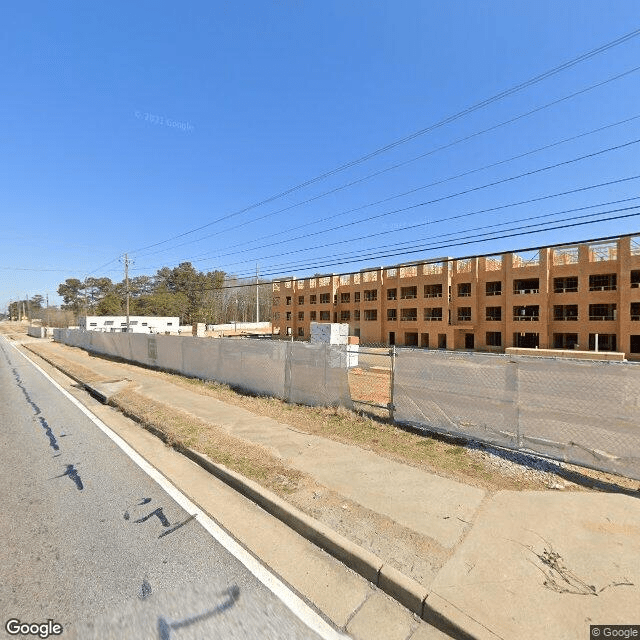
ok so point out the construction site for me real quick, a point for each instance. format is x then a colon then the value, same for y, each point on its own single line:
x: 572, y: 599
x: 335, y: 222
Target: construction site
x: 583, y: 296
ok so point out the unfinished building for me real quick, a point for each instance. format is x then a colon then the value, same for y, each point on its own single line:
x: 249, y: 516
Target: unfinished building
x: 584, y: 296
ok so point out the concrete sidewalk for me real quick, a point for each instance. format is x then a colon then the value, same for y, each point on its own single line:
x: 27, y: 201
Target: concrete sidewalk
x: 521, y: 564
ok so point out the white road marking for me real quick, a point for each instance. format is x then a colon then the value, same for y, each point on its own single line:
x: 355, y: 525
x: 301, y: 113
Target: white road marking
x: 295, y: 604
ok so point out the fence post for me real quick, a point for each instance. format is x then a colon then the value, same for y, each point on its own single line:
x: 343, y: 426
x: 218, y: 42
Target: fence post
x: 288, y: 354
x: 390, y: 406
x: 517, y: 404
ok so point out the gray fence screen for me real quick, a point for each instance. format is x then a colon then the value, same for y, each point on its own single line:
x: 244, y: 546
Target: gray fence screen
x: 585, y: 412
x: 313, y: 374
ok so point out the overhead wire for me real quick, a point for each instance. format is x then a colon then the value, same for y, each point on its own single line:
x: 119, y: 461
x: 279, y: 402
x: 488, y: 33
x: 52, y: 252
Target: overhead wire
x: 475, y: 107
x: 350, y: 257
x: 385, y: 170
x: 458, y: 242
x: 465, y: 191
x: 280, y: 278
x: 200, y: 257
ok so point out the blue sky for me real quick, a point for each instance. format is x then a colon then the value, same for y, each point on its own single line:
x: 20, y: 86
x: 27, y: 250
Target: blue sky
x: 124, y: 126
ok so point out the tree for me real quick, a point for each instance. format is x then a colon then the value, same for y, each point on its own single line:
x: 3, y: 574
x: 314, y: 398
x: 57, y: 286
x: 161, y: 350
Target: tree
x: 70, y: 290
x: 163, y: 303
x: 96, y: 289
x: 110, y: 305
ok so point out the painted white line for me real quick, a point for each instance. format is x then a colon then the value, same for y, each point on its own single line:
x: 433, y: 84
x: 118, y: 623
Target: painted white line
x: 298, y: 606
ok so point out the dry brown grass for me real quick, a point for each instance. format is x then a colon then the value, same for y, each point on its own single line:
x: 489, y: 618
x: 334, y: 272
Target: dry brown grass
x: 433, y: 454
x: 72, y: 369
x: 182, y: 429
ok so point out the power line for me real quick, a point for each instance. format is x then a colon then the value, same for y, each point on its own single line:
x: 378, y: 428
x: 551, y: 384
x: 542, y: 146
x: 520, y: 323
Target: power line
x: 387, y: 169
x: 479, y: 105
x: 281, y: 279
x: 460, y: 193
x: 415, y: 190
x: 347, y: 257
x: 419, y: 249
x: 409, y: 246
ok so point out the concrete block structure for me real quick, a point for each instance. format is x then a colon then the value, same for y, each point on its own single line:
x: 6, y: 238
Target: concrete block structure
x: 584, y: 296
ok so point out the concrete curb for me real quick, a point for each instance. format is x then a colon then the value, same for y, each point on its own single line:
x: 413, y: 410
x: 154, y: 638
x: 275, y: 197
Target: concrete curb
x: 405, y: 590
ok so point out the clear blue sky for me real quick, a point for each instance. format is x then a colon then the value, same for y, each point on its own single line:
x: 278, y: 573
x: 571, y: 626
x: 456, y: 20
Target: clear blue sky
x: 123, y: 125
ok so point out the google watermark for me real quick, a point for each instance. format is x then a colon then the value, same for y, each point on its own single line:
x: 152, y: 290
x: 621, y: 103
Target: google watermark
x: 39, y: 629
x: 162, y: 121
x: 614, y: 631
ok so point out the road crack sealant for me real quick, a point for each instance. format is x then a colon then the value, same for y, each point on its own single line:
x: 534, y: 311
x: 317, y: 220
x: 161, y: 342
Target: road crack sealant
x: 70, y: 470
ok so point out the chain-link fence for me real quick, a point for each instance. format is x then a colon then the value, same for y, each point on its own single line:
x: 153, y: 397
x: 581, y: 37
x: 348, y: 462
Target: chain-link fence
x: 578, y: 411
x: 370, y: 379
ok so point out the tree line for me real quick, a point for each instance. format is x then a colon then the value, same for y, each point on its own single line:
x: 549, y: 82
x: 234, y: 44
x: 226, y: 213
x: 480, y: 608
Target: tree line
x: 212, y: 297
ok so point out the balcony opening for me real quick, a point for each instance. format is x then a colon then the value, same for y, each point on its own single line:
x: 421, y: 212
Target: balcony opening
x: 565, y: 341
x: 602, y: 342
x: 531, y: 285
x: 411, y: 339
x: 433, y: 314
x: 494, y: 339
x: 527, y: 313
x: 464, y: 290
x: 409, y: 315
x: 565, y: 285
x: 408, y: 293
x: 562, y: 312
x: 433, y: 290
x: 602, y: 312
x: 603, y: 282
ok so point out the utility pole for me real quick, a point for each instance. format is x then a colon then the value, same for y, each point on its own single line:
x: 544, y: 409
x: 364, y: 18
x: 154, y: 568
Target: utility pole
x: 28, y: 309
x: 47, y: 315
x: 126, y: 284
x: 257, y: 297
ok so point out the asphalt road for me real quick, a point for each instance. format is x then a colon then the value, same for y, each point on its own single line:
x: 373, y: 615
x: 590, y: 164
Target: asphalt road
x: 90, y: 541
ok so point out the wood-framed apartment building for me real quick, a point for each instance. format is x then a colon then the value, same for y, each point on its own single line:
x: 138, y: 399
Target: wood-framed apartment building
x: 582, y: 296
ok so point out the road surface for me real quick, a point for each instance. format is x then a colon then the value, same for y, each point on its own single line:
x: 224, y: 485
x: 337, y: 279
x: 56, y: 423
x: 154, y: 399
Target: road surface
x: 91, y: 542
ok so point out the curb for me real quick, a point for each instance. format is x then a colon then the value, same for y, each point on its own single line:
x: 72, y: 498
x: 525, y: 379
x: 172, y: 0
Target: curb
x: 405, y: 590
